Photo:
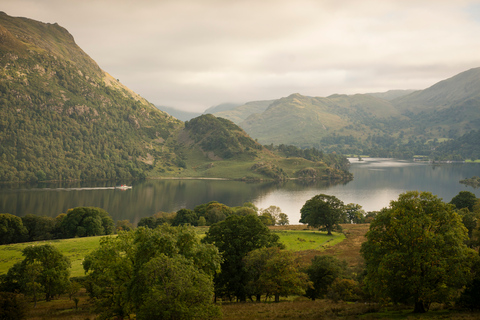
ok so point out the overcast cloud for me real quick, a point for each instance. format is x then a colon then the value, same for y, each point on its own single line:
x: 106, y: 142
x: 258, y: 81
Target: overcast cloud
x: 194, y: 54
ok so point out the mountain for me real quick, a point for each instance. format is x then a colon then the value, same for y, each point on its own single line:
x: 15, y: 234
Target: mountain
x: 391, y: 94
x: 240, y: 113
x: 63, y: 118
x: 221, y: 107
x: 396, y: 123
x: 179, y: 114
x: 304, y: 121
x: 445, y: 94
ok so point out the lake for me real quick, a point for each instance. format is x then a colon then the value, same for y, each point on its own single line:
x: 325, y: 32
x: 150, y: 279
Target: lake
x: 376, y: 182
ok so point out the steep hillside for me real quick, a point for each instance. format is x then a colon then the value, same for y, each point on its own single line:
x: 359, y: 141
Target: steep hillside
x: 62, y: 117
x: 304, y: 121
x: 215, y: 147
x: 444, y: 94
x: 397, y: 123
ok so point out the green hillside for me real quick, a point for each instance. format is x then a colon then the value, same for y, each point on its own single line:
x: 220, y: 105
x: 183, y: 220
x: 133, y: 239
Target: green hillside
x: 63, y: 118
x: 396, y: 123
x: 212, y: 147
x: 304, y: 121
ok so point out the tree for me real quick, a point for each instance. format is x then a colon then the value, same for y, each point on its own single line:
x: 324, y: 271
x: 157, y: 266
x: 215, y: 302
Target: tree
x: 323, y: 211
x: 273, y: 212
x: 185, y: 216
x: 87, y: 221
x: 161, y: 273
x: 12, y: 229
x: 274, y: 272
x: 235, y: 237
x: 322, y: 272
x: 354, y: 213
x: 124, y: 225
x: 283, y: 219
x: 415, y: 250
x: 464, y: 199
x: 39, y: 227
x: 44, y: 269
x: 12, y: 306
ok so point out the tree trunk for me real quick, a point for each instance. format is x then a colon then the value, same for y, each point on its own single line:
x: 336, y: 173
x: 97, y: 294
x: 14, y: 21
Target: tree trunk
x: 259, y: 298
x: 277, y: 297
x: 419, y: 307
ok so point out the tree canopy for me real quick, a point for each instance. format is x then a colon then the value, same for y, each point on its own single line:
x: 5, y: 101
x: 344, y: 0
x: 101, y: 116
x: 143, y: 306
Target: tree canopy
x: 323, y: 211
x: 415, y: 251
x: 235, y: 237
x: 44, y: 269
x: 161, y: 273
x: 87, y: 221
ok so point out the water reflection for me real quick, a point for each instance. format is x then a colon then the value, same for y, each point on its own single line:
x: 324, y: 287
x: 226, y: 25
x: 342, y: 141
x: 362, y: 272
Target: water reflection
x: 376, y: 182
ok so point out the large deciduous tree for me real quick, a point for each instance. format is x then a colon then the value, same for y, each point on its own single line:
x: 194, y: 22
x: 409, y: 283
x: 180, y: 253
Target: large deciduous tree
x: 87, y: 221
x: 274, y: 272
x: 464, y: 199
x: 161, y: 273
x: 415, y: 251
x: 12, y: 229
x: 44, y: 269
x: 323, y: 211
x: 323, y: 271
x: 235, y: 237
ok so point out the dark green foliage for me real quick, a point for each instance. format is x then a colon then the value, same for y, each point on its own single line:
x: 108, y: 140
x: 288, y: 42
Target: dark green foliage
x: 12, y: 306
x: 63, y: 118
x: 464, y: 199
x: 235, y: 238
x: 274, y: 272
x: 222, y: 137
x: 87, y: 221
x: 39, y: 227
x: 12, y: 229
x: 323, y: 271
x: 177, y: 289
x: 162, y: 273
x: 185, y: 216
x: 44, y: 270
x: 415, y: 252
x: 323, y: 211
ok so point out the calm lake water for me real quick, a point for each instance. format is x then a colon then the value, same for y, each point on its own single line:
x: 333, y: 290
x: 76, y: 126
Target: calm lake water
x: 376, y: 182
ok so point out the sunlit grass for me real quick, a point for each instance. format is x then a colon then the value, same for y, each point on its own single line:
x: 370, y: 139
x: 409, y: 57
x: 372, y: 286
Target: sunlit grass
x: 75, y: 249
x: 299, y: 240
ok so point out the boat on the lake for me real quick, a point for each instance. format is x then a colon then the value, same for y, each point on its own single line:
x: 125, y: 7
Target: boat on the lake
x: 123, y: 187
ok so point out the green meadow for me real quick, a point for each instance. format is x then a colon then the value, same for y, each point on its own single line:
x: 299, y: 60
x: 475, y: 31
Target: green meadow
x: 77, y: 248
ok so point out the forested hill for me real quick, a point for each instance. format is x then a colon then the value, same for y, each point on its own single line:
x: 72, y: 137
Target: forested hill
x: 390, y: 124
x: 62, y: 117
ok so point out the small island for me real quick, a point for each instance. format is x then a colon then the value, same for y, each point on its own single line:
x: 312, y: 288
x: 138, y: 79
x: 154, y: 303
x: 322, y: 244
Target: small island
x: 472, y: 182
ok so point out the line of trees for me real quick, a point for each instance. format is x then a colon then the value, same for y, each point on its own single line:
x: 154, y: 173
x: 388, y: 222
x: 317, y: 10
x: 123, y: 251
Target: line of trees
x: 419, y: 250
x: 77, y: 222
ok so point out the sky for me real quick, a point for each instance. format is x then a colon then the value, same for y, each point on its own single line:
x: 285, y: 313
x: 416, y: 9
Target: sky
x: 194, y: 54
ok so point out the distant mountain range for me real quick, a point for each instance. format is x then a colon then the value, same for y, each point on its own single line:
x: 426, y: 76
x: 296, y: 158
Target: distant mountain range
x: 62, y: 118
x: 396, y: 123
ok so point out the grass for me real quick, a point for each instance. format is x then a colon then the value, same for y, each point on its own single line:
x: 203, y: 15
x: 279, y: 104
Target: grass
x: 308, y: 240
x: 75, y: 249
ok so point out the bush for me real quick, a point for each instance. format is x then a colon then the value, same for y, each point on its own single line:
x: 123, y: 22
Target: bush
x: 12, y: 306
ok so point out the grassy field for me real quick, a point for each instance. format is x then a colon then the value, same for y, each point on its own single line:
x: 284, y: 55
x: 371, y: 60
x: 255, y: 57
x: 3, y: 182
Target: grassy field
x: 306, y: 243
x: 76, y: 249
